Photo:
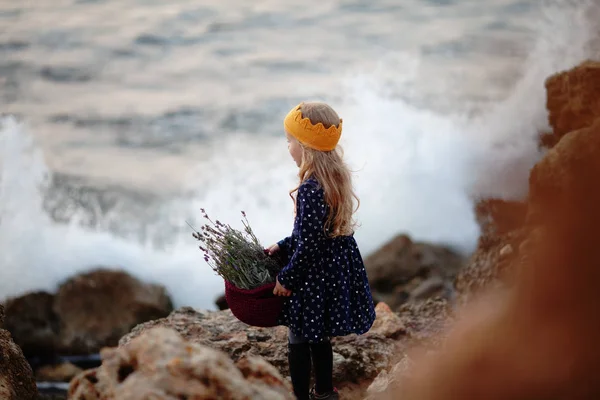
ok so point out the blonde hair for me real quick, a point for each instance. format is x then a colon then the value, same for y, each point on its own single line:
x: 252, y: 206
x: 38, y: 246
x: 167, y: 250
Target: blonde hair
x: 330, y: 170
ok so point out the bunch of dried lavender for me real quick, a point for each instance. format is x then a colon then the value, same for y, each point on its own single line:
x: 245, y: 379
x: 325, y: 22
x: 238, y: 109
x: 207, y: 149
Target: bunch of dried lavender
x: 236, y: 256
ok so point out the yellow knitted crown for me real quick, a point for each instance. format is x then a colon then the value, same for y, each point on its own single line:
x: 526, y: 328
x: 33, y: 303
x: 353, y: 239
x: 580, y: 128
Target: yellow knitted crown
x: 314, y: 136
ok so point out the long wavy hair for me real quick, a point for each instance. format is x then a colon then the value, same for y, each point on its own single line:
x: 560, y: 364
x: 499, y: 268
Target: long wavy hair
x: 329, y: 168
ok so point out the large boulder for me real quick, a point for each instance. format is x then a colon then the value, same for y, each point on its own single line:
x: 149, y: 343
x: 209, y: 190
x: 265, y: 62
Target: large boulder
x: 568, y: 174
x: 573, y: 102
x: 16, y: 376
x: 160, y: 364
x: 97, y: 308
x: 89, y: 311
x: 33, y: 323
x: 404, y: 271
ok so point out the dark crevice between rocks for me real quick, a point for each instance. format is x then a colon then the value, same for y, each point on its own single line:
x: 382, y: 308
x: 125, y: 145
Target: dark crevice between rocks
x: 92, y: 378
x: 124, y: 372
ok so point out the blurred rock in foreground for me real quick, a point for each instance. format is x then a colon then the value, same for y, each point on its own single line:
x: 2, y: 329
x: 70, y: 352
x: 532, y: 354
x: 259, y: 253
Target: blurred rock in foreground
x: 160, y: 364
x: 536, y: 336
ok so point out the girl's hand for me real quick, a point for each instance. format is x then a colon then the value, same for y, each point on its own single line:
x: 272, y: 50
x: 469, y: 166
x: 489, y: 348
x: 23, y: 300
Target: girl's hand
x: 281, y: 291
x: 272, y: 250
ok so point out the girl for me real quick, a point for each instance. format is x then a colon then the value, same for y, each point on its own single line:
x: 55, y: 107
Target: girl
x: 325, y: 278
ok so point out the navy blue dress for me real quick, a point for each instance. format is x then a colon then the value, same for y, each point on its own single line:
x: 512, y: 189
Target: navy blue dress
x: 327, y: 277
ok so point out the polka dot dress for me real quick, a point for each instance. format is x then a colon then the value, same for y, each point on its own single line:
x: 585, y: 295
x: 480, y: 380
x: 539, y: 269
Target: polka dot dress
x: 327, y: 277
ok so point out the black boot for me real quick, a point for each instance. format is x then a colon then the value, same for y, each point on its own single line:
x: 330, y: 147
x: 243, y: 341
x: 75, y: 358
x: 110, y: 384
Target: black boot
x: 299, y: 360
x: 322, y: 356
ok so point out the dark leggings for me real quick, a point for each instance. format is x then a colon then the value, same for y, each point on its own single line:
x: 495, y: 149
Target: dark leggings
x: 299, y: 358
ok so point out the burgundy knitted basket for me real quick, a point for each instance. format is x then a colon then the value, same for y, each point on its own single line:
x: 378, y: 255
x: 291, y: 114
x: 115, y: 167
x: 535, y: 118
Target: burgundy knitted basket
x: 255, y: 307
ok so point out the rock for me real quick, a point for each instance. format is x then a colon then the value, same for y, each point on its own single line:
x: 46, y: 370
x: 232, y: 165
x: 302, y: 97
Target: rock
x: 83, y: 386
x: 506, y: 251
x: 98, y: 307
x: 387, y: 379
x: 160, y: 364
x: 57, y: 373
x: 402, y: 265
x: 259, y: 372
x: 33, y: 323
x: 490, y: 266
x: 426, y: 320
x: 358, y: 359
x: 394, y: 264
x: 430, y: 288
x: 498, y: 217
x: 573, y: 102
x: 427, y: 324
x: 502, y: 228
x: 547, y: 140
x: 557, y: 179
x: 16, y: 376
x: 89, y: 311
x: 221, y: 303
x: 387, y: 322
x: 537, y: 337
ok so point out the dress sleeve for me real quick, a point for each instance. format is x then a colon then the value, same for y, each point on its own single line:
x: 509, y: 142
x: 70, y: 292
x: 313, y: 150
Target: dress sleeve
x: 284, y: 244
x: 310, y: 219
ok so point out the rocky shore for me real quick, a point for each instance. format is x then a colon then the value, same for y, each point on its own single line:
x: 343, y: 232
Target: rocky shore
x: 529, y: 328
x: 444, y: 324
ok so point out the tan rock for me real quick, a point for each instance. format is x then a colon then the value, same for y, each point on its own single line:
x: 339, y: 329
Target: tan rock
x: 506, y: 251
x: 83, y: 386
x: 386, y: 380
x: 160, y: 364
x: 387, y: 322
x: 357, y: 358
